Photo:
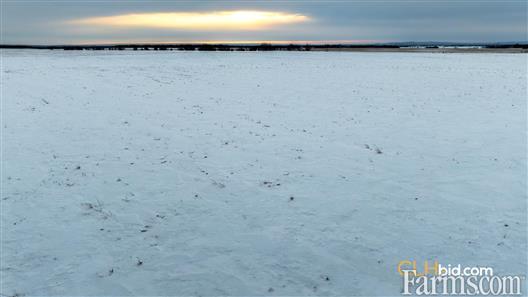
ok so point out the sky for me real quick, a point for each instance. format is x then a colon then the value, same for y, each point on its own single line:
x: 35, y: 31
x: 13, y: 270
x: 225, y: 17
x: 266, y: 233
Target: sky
x: 318, y: 21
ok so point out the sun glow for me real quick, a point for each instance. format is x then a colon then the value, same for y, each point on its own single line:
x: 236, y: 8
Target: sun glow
x: 220, y: 20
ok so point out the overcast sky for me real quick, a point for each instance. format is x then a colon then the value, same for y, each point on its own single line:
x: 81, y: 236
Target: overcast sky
x: 74, y: 22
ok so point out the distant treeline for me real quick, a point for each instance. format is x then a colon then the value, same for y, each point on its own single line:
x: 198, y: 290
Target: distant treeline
x: 195, y: 47
x: 254, y: 47
x: 523, y: 46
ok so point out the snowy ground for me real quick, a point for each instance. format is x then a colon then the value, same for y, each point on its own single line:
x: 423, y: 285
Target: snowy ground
x: 280, y: 173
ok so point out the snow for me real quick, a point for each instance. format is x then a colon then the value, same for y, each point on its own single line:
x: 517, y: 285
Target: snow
x: 276, y: 173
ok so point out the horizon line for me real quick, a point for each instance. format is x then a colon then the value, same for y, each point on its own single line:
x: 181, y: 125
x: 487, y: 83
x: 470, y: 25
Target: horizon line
x: 270, y: 42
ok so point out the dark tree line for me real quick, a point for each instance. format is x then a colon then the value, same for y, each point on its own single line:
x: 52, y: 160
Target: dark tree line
x: 235, y: 47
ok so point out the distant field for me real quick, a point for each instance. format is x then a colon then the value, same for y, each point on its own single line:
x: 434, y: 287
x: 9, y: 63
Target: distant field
x: 277, y: 173
x: 489, y: 48
x: 429, y: 50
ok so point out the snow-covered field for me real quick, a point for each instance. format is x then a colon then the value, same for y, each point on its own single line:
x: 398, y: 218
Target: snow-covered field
x: 278, y: 173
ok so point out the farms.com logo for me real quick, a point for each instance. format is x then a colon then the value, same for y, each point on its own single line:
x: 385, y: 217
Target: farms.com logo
x: 433, y: 278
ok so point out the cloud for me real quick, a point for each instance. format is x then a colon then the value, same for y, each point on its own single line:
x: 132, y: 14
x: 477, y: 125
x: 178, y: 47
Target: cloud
x: 68, y: 21
x: 215, y: 21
